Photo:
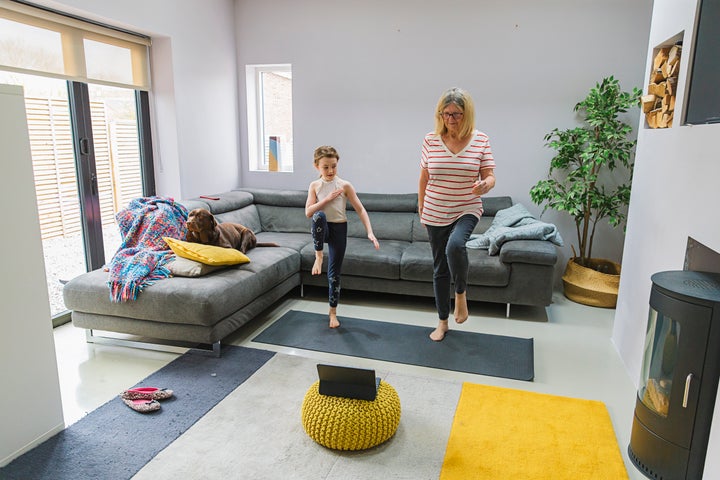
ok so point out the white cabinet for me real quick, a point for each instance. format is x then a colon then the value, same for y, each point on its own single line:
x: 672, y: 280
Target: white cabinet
x: 30, y: 406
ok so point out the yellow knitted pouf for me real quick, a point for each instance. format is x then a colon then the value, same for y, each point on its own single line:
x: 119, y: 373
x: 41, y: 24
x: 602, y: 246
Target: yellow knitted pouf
x: 348, y: 423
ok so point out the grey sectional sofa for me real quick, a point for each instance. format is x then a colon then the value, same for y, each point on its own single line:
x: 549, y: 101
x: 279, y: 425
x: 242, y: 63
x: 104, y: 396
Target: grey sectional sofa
x: 206, y: 309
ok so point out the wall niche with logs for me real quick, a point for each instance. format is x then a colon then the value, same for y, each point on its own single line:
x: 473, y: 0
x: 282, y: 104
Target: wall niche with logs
x: 659, y: 102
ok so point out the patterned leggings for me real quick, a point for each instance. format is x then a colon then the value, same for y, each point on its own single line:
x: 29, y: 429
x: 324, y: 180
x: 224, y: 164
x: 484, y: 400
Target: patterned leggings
x: 335, y: 235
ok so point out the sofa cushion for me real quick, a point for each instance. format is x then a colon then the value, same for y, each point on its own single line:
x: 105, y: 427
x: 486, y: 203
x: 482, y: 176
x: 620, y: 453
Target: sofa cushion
x: 385, y: 225
x: 184, y: 267
x: 225, y: 202
x: 383, y: 202
x: 296, y: 241
x: 283, y: 219
x: 491, y: 205
x: 362, y: 259
x: 419, y: 233
x: 192, y: 204
x: 538, y: 252
x: 247, y: 216
x: 194, y: 301
x: 417, y: 265
x: 278, y: 198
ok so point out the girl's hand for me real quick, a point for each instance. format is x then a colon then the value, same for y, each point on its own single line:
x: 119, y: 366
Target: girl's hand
x: 332, y: 196
x: 374, y: 241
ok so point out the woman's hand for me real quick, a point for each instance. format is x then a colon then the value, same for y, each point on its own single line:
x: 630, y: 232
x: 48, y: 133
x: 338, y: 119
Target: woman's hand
x: 480, y: 187
x: 484, y: 185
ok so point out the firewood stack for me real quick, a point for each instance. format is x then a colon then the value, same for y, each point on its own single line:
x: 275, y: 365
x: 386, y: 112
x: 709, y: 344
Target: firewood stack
x: 659, y: 103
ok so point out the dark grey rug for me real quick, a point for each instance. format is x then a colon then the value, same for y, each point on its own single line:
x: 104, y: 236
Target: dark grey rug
x: 115, y: 442
x: 479, y: 353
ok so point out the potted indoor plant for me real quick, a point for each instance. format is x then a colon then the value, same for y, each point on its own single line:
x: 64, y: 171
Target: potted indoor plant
x: 578, y: 183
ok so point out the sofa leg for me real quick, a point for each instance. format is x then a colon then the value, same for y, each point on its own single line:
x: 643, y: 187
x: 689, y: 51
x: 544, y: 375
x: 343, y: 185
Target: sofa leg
x: 507, y: 311
x: 179, y: 347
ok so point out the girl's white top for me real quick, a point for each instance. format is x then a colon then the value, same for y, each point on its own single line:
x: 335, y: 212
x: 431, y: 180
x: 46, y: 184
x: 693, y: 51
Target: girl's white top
x: 335, y: 209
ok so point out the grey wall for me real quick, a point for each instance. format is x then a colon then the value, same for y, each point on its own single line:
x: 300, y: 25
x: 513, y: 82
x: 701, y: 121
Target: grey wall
x: 367, y: 76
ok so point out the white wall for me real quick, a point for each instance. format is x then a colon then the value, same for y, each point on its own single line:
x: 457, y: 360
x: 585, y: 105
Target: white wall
x: 195, y: 87
x: 30, y: 407
x: 675, y: 195
x: 367, y: 76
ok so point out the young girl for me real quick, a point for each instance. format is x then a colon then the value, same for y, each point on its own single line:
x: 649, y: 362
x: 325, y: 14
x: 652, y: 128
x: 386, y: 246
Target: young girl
x: 326, y: 206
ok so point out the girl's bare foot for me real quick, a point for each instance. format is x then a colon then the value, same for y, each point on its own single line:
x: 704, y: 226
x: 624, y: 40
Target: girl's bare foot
x: 334, y: 323
x: 461, y: 309
x: 317, y: 266
x: 439, y: 333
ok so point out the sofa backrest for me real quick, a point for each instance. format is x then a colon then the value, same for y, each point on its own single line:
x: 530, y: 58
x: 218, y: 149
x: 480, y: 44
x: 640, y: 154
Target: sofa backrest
x: 280, y: 210
x: 491, y: 205
x: 393, y: 216
x: 234, y: 206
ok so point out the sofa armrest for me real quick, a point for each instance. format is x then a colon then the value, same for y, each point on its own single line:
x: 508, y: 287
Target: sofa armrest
x: 538, y: 252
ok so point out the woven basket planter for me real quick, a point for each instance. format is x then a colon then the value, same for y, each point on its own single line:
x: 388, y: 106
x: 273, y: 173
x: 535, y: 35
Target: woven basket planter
x: 596, y: 285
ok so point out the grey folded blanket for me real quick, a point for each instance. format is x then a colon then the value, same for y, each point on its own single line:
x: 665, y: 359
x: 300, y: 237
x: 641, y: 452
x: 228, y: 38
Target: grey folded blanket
x: 514, y: 223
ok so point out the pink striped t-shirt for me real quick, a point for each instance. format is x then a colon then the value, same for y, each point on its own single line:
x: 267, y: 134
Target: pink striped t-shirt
x: 448, y: 194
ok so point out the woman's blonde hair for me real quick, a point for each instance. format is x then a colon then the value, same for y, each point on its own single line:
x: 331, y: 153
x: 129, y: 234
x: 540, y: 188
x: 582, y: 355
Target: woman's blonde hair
x: 325, y: 151
x: 464, y: 101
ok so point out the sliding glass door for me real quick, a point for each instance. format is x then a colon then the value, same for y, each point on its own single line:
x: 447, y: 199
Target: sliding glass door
x: 87, y: 159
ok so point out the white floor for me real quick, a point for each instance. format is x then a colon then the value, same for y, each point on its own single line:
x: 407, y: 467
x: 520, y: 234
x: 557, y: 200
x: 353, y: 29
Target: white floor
x: 574, y: 355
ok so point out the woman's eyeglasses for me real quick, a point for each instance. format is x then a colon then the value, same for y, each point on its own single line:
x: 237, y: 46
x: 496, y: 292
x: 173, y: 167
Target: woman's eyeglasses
x: 455, y: 115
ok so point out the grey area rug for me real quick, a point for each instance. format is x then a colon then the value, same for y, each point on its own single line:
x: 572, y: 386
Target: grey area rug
x: 115, y: 442
x: 256, y: 432
x: 478, y: 353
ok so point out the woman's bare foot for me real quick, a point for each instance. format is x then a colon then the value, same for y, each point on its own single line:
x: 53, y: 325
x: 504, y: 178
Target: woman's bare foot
x: 334, y: 323
x: 461, y: 309
x: 317, y: 266
x: 439, y: 333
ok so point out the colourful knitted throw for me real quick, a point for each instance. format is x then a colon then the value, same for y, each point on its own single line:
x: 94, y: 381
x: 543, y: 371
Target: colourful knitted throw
x: 142, y: 255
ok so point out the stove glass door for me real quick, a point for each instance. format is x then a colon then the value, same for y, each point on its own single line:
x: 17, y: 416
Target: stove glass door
x: 659, y: 362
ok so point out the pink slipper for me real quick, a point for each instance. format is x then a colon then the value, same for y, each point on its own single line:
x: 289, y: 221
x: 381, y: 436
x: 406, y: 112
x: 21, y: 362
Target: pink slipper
x: 147, y: 393
x: 142, y: 405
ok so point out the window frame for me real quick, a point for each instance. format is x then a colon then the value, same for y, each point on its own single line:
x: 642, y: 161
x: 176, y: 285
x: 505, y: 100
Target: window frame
x: 257, y: 161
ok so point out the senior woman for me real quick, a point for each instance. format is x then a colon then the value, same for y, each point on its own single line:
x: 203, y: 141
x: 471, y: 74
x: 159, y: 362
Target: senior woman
x: 456, y: 168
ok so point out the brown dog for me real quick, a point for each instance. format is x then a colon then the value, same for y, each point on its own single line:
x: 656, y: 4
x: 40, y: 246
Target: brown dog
x: 203, y: 228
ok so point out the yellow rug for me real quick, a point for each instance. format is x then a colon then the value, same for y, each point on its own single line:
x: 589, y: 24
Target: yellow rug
x: 499, y: 434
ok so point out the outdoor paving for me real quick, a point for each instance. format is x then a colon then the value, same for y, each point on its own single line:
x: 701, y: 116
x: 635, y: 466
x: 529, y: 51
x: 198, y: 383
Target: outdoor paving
x: 64, y: 260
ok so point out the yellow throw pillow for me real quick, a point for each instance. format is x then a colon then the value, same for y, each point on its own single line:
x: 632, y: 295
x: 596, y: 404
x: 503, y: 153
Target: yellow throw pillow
x: 207, y: 254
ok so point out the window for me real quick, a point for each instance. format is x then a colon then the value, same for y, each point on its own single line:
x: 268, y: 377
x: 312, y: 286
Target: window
x: 270, y: 132
x: 88, y: 120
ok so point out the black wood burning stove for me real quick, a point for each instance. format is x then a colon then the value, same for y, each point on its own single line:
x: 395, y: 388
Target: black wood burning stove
x: 679, y: 378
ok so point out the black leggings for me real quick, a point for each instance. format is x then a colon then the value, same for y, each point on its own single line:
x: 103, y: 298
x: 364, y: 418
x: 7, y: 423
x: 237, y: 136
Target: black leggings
x: 450, y: 260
